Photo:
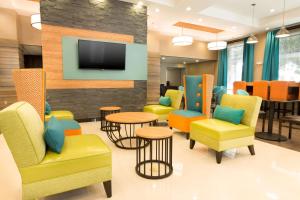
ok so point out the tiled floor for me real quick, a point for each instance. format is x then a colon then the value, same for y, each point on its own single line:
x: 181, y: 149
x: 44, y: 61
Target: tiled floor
x: 273, y: 173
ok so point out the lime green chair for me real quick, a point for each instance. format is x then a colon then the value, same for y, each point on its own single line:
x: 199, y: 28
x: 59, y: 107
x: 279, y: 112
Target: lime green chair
x: 84, y: 160
x: 221, y: 135
x: 163, y: 111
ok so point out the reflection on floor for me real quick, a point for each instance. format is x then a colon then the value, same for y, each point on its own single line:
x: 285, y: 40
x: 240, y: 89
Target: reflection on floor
x: 273, y: 173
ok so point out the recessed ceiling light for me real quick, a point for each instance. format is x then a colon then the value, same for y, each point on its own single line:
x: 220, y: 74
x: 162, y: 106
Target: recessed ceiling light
x: 184, y: 62
x: 200, y: 19
x: 157, y: 10
x: 140, y: 4
x: 267, y: 28
x: 197, y: 60
x: 272, y: 10
x: 233, y: 27
x: 188, y: 8
x: 163, y: 58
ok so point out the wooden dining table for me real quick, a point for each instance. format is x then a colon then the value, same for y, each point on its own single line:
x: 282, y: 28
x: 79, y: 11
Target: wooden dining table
x: 269, y: 135
x: 294, y: 90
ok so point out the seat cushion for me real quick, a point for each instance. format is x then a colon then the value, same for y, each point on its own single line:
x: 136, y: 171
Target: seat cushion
x: 71, y: 127
x: 220, y: 130
x: 80, y: 153
x: 60, y: 114
x: 158, y: 109
x: 181, y: 119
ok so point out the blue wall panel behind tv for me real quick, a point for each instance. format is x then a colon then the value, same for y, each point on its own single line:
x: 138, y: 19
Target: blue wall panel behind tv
x: 135, y: 67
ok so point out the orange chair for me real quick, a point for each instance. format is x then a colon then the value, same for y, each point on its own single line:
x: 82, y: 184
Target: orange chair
x: 239, y: 85
x: 279, y: 91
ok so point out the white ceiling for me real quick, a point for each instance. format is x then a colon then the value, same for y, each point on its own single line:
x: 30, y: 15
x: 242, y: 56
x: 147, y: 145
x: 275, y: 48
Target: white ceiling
x: 22, y: 7
x: 233, y: 16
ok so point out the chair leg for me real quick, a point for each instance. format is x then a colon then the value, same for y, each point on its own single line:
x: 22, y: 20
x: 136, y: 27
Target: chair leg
x: 279, y: 130
x: 171, y: 127
x: 290, y: 130
x: 278, y: 110
x: 192, y: 143
x: 264, y: 122
x: 284, y: 109
x: 293, y: 108
x: 251, y: 149
x: 219, y: 155
x: 188, y: 136
x: 107, y: 188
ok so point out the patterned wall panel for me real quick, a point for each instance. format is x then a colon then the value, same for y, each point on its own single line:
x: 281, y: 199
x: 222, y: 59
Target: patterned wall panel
x: 30, y: 87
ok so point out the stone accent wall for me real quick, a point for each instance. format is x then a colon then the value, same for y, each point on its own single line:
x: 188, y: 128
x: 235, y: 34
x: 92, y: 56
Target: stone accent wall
x: 84, y: 103
x: 112, y: 16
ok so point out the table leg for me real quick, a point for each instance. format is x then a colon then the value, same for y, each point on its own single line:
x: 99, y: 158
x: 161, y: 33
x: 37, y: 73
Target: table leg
x: 269, y: 135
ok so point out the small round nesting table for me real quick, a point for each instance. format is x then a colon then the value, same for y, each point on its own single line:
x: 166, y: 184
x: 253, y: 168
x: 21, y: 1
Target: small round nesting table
x: 107, y: 110
x: 154, y: 161
x: 125, y: 137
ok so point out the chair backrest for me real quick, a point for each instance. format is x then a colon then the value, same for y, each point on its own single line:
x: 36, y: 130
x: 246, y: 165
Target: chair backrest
x: 261, y: 89
x: 198, y: 93
x: 251, y: 105
x: 10, y: 178
x: 279, y: 90
x: 239, y: 85
x: 218, y: 92
x: 176, y: 97
x: 23, y: 130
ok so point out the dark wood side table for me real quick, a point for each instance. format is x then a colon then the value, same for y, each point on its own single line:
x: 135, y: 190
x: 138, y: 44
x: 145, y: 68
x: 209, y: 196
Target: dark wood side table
x: 129, y: 122
x: 154, y: 161
x: 107, y: 110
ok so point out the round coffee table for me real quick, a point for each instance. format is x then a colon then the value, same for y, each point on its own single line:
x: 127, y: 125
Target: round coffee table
x: 128, y: 121
x: 155, y: 160
x: 104, y: 111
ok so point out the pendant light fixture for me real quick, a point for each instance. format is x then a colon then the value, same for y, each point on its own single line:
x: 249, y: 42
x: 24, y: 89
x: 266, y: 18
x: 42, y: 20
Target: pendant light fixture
x: 182, y: 40
x: 283, y: 32
x: 217, y: 45
x: 252, y: 39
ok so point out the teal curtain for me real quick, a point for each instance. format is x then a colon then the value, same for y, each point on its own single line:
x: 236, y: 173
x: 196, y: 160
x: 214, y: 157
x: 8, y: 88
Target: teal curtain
x: 248, y: 61
x: 222, y: 68
x: 271, y: 57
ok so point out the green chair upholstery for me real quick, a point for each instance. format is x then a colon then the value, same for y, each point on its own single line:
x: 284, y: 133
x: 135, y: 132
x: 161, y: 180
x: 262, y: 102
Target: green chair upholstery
x: 163, y: 111
x: 84, y: 160
x: 221, y: 135
x: 60, y: 115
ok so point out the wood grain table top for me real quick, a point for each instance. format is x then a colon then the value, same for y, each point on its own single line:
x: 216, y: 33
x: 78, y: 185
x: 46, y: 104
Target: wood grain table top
x: 110, y: 108
x: 153, y: 132
x: 132, y: 117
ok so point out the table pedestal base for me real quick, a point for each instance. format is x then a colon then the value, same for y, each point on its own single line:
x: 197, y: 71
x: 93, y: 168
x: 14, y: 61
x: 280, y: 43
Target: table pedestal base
x: 270, y: 137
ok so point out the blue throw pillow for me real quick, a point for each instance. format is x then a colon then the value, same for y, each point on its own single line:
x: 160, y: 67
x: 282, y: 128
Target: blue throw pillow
x: 54, y: 135
x: 47, y: 109
x: 165, y: 101
x: 229, y: 114
x: 242, y: 92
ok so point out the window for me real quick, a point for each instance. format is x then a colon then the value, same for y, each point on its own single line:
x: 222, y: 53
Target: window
x: 235, y: 64
x: 289, y: 58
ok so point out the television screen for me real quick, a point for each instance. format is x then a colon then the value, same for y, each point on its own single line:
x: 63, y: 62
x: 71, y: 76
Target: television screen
x: 101, y: 55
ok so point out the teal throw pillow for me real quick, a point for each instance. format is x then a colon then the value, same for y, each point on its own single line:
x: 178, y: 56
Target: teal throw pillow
x: 229, y: 114
x: 165, y: 101
x: 242, y: 92
x: 54, y: 135
x: 47, y: 109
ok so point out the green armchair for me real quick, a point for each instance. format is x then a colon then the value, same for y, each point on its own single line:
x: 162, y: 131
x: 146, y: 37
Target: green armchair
x: 163, y: 111
x: 221, y: 135
x: 84, y: 160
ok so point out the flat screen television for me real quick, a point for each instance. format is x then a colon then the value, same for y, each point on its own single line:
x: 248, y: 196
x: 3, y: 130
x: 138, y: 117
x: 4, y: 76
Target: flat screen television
x: 101, y: 55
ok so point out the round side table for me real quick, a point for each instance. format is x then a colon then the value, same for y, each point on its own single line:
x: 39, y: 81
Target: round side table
x: 129, y: 121
x: 107, y: 110
x: 154, y: 161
